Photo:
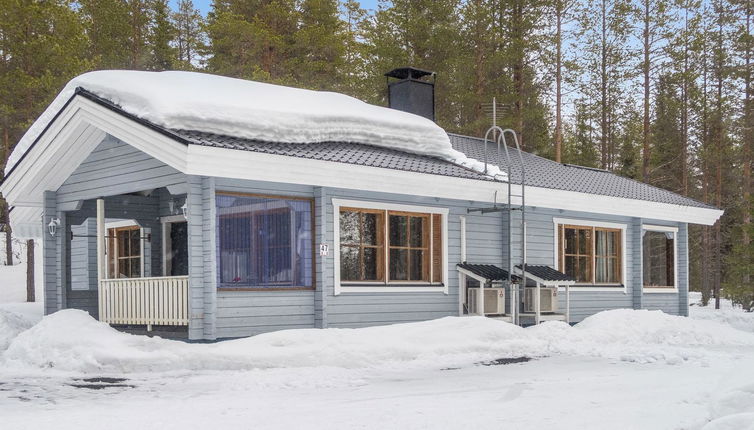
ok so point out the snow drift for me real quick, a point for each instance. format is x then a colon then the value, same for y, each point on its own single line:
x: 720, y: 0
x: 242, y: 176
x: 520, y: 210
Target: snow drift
x: 12, y: 323
x: 254, y: 110
x: 71, y: 340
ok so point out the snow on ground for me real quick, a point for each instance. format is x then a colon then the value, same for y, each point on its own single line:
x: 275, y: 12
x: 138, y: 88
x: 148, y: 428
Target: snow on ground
x: 727, y: 314
x: 16, y: 315
x: 254, y: 110
x: 617, y: 369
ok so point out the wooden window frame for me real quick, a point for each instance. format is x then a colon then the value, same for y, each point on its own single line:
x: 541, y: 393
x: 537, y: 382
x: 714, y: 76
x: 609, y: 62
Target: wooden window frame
x: 383, y: 264
x: 381, y: 240
x: 661, y: 229
x: 113, y: 251
x: 437, y: 255
x: 313, y: 230
x: 594, y: 228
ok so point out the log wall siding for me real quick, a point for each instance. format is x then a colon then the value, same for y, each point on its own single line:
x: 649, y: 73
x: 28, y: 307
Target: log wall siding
x: 223, y: 313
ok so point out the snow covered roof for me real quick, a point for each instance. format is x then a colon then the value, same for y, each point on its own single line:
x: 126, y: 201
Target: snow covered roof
x: 541, y: 172
x: 253, y: 110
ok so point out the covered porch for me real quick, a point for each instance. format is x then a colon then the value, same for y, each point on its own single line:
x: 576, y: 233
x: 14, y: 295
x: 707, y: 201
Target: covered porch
x: 125, y: 259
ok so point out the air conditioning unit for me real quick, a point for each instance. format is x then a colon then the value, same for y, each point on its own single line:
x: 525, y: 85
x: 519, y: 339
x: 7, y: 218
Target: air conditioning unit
x: 494, y: 301
x: 548, y: 299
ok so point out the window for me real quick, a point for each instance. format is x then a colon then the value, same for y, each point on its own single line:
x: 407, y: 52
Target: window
x: 592, y: 255
x: 658, y: 258
x: 410, y: 243
x: 124, y: 250
x: 264, y: 242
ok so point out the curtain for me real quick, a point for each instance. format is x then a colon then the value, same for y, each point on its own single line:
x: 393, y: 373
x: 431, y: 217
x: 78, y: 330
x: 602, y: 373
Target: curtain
x: 264, y: 242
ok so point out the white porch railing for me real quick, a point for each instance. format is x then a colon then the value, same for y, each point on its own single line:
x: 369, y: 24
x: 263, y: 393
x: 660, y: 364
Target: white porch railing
x: 144, y: 301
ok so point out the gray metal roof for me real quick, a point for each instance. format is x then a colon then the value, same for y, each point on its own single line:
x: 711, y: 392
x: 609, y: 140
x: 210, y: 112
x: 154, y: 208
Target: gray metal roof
x: 546, y: 273
x: 342, y: 152
x: 487, y: 271
x: 541, y: 172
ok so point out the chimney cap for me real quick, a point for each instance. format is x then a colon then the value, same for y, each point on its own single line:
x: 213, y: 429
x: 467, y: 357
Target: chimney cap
x: 408, y: 73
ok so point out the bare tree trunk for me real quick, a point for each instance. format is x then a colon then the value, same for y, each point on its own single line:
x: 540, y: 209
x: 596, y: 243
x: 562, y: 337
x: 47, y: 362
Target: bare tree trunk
x: 518, y: 69
x: 603, y: 88
x: 685, y: 108
x: 30, y: 271
x: 748, y: 136
x: 645, y: 70
x: 719, y: 165
x: 558, y: 80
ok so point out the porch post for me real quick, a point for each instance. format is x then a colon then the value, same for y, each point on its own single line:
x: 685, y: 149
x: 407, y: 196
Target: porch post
x: 101, y: 272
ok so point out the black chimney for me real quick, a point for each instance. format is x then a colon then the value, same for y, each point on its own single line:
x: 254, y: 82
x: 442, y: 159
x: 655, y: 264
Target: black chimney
x: 410, y: 92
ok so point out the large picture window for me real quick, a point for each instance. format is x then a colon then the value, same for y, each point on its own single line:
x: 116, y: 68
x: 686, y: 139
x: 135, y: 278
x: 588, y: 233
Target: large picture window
x: 383, y: 246
x: 592, y: 255
x: 264, y: 242
x: 658, y: 258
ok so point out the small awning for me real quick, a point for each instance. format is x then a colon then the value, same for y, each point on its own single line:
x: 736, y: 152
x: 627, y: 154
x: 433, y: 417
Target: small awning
x: 488, y: 272
x: 546, y: 275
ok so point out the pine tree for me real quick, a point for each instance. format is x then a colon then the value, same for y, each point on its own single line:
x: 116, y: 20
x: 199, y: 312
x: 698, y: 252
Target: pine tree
x: 189, y: 37
x: 42, y: 46
x: 107, y: 27
x: 667, y: 136
x: 654, y: 19
x: 562, y: 14
x: 354, y: 74
x: 252, y: 39
x: 604, y: 28
x: 161, y: 36
x: 318, y: 51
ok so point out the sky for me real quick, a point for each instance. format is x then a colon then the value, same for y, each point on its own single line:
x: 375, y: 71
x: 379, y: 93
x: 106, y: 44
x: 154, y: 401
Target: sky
x: 204, y: 5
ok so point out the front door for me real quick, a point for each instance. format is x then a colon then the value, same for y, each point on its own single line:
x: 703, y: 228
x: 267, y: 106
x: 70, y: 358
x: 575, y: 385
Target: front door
x: 176, y: 249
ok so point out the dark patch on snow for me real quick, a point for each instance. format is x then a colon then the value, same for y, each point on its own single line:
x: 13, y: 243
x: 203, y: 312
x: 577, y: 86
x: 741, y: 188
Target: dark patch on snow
x: 504, y: 361
x: 103, y: 380
x: 100, y: 383
x: 101, y: 386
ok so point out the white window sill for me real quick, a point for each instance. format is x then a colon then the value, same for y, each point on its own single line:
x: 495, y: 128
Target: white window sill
x: 596, y: 289
x: 388, y: 289
x: 661, y: 290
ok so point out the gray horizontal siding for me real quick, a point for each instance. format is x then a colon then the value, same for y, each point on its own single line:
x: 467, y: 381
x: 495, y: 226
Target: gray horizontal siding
x: 246, y: 313
x: 115, y: 168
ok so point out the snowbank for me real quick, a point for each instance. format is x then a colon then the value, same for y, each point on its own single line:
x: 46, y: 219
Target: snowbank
x: 15, y: 318
x: 254, y: 110
x: 734, y: 410
x: 729, y: 314
x: 72, y: 340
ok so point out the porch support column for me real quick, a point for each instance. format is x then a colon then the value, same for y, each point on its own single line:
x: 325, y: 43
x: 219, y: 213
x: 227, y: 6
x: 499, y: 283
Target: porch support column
x: 635, y: 276
x: 101, y: 261
x: 49, y: 254
x: 322, y: 289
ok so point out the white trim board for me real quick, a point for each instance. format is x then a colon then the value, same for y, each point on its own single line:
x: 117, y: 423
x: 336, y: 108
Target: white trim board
x: 588, y: 223
x: 383, y: 287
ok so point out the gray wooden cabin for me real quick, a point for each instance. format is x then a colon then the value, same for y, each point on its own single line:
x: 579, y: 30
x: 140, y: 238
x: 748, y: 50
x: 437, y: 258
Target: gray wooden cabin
x: 209, y: 237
